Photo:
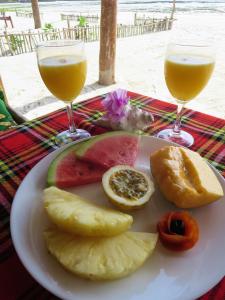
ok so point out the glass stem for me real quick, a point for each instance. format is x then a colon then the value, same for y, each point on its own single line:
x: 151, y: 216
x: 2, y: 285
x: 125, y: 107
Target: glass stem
x: 177, y: 124
x: 69, y: 109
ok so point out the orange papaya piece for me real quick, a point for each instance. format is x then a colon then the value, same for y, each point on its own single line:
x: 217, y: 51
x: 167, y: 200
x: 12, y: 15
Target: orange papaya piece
x: 178, y: 231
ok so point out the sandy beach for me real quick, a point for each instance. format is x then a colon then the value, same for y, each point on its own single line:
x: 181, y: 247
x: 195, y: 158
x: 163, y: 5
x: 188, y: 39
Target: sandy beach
x: 139, y: 67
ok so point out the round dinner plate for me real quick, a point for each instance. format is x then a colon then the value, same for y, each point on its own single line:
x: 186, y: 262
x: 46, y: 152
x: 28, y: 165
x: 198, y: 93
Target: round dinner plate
x: 165, y: 275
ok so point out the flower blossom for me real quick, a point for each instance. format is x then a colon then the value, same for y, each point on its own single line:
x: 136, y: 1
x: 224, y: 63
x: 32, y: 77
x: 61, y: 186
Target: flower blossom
x: 115, y: 104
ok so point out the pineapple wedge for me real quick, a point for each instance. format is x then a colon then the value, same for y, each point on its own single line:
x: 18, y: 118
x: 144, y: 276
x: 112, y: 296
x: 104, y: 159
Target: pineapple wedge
x: 101, y: 258
x: 74, y: 214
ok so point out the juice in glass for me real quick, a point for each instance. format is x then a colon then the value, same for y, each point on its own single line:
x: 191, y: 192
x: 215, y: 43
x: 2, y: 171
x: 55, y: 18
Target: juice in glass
x: 186, y: 74
x: 63, y: 75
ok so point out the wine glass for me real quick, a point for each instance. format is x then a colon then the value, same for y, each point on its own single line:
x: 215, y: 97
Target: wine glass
x: 63, y: 67
x: 187, y: 70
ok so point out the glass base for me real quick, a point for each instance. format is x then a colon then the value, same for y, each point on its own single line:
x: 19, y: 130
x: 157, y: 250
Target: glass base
x: 67, y: 137
x: 183, y: 139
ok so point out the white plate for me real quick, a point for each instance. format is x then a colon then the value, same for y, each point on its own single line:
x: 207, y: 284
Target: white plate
x: 166, y: 275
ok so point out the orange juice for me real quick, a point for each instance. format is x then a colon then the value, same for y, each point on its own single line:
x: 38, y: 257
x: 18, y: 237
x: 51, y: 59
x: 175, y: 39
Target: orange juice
x: 186, y: 74
x: 63, y: 75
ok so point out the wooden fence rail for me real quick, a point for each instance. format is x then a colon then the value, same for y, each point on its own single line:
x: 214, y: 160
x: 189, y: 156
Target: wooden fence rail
x: 88, y: 18
x: 6, y: 19
x: 18, y: 43
x: 145, y: 20
x: 25, y: 14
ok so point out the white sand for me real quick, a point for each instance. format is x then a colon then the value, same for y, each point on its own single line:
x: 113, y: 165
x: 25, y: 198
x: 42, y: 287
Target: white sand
x: 139, y: 68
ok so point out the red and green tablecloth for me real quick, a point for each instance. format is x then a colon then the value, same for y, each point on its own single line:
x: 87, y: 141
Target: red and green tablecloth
x: 22, y: 147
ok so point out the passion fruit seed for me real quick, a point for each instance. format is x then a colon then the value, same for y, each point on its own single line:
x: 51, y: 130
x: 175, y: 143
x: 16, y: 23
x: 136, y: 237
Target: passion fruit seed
x: 177, y: 227
x: 129, y: 184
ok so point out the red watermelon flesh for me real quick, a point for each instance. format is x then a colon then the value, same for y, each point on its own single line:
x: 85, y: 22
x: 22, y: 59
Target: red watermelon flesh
x: 113, y: 150
x: 71, y: 172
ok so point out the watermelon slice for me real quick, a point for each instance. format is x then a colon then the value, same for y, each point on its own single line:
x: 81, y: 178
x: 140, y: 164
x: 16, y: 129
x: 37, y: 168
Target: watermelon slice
x: 66, y: 170
x: 110, y: 149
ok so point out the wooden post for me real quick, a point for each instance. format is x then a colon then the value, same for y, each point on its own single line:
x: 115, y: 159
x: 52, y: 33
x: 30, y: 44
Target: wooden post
x: 173, y: 9
x: 10, y: 20
x: 107, y: 52
x: 36, y: 14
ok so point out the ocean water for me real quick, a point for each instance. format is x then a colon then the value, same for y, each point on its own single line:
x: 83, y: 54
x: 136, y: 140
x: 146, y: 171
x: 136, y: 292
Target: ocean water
x: 162, y: 6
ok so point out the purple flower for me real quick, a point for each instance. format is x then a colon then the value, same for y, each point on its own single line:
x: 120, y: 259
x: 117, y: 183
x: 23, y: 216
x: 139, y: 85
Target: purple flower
x: 115, y: 104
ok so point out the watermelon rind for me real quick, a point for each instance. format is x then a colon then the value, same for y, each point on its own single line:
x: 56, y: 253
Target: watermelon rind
x: 51, y: 176
x: 80, y: 152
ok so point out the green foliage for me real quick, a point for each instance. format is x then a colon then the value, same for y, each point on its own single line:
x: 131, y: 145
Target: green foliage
x: 82, y: 21
x: 15, y: 42
x: 6, y: 119
x: 3, y: 10
x: 8, y: 9
x: 48, y: 27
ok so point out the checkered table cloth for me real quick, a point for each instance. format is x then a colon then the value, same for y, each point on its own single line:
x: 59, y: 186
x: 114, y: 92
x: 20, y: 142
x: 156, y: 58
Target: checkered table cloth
x: 23, y: 147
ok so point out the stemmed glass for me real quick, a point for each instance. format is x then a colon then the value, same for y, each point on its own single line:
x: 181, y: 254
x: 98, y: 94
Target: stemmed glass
x: 63, y: 67
x: 187, y: 69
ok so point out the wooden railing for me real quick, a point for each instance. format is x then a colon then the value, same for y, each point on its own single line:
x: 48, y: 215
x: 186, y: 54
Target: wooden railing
x: 25, y: 14
x: 6, y: 19
x: 23, y: 42
x: 88, y: 18
x: 132, y: 30
x: 144, y: 20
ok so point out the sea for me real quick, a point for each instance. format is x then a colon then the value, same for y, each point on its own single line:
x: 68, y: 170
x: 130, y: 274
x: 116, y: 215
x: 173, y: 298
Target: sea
x: 162, y: 6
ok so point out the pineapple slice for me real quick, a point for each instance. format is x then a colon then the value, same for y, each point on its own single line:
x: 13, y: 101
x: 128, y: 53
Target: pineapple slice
x: 74, y: 214
x: 101, y: 258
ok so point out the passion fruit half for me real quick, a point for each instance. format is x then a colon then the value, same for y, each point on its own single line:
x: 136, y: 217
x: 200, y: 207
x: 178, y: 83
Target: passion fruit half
x: 127, y: 187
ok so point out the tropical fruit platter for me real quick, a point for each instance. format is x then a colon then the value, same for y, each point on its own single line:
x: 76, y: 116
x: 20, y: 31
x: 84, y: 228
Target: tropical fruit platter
x: 97, y: 240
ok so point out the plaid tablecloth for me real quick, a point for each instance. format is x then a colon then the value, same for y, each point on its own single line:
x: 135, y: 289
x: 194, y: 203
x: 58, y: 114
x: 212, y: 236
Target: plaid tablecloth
x: 21, y: 148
